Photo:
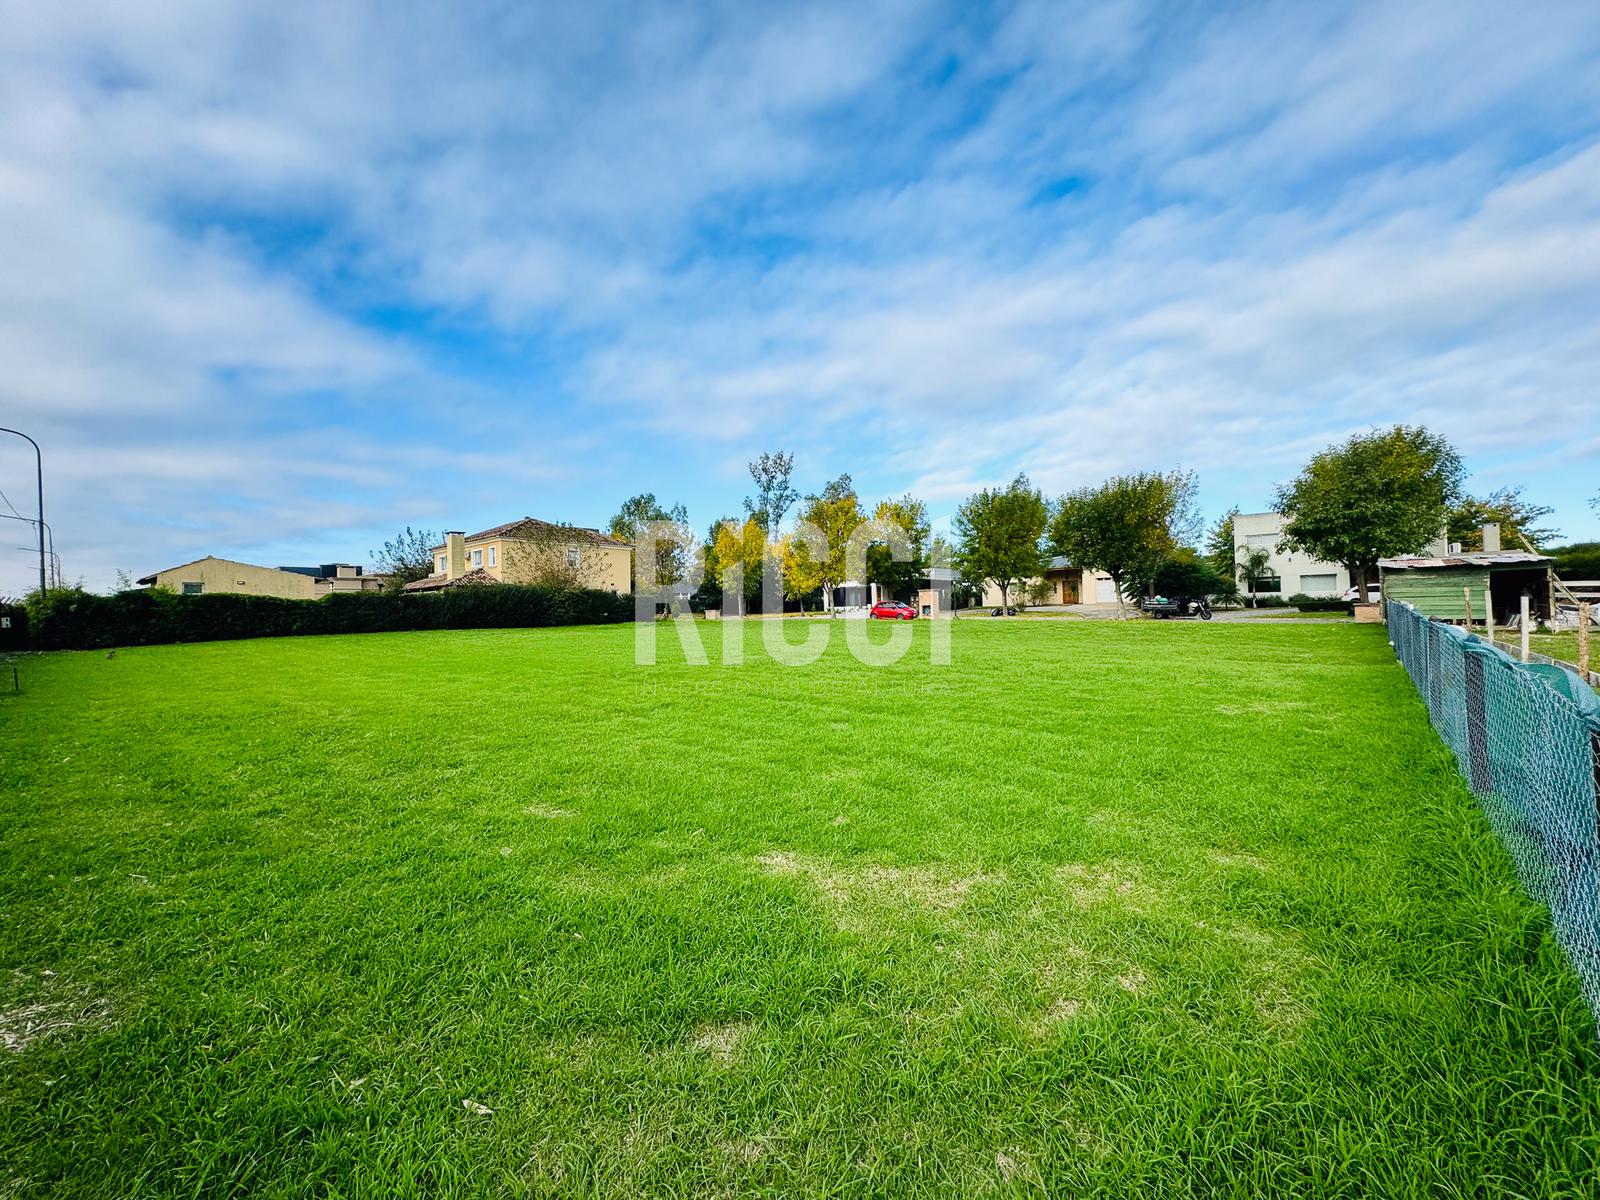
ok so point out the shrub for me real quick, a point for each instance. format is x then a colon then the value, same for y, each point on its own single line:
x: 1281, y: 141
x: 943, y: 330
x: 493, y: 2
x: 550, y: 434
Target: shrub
x: 1307, y: 603
x: 1578, y: 561
x: 72, y: 619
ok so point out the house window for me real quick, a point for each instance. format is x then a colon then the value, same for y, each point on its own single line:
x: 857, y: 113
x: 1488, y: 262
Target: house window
x: 1267, y: 583
x: 441, y: 564
x: 573, y: 557
x: 477, y: 559
x: 193, y: 589
x: 491, y: 556
x: 1261, y: 541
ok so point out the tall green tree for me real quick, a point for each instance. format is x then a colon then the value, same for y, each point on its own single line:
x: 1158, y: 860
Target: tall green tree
x: 1220, y: 546
x: 1127, y: 526
x: 836, y: 513
x: 1518, y: 520
x: 1377, y: 495
x: 642, y: 510
x: 999, y: 534
x: 911, y: 515
x: 774, y: 494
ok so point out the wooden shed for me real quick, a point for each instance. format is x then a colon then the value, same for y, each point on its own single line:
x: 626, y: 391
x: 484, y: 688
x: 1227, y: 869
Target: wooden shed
x: 1434, y: 585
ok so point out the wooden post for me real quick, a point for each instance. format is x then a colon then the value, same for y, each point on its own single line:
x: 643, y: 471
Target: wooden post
x: 1583, y: 639
x: 1488, y: 617
x: 1466, y: 606
x: 1527, y: 620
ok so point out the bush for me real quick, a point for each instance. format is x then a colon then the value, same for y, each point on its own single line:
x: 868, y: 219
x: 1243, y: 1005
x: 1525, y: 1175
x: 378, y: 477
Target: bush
x: 1578, y: 561
x: 72, y: 619
x: 1307, y: 603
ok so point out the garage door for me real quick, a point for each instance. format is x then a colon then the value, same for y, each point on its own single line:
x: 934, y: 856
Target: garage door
x: 1318, y: 585
x: 1105, y: 591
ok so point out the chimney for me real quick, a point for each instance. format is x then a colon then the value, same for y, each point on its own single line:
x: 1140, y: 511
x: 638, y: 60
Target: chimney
x: 1491, y: 538
x: 455, y: 554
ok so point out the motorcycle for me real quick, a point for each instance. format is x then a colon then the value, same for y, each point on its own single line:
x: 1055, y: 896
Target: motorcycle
x: 1162, y: 608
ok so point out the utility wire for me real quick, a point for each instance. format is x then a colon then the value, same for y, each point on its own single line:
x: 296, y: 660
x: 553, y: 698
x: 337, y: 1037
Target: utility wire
x: 12, y: 506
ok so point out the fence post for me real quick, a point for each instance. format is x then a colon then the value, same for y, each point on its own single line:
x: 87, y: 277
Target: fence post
x: 1527, y: 619
x: 1583, y: 639
x: 1488, y: 617
x: 1466, y: 606
x: 1478, y: 769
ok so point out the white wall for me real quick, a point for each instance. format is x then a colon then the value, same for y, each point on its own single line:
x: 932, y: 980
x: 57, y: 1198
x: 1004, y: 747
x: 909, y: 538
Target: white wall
x: 1297, y: 572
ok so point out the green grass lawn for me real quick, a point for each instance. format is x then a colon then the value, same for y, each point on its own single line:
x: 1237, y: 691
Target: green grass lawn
x: 1557, y: 645
x: 1142, y: 909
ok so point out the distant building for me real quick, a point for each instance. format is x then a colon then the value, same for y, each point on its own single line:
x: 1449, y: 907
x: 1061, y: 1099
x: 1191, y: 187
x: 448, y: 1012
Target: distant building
x: 498, y: 555
x: 1068, y: 585
x: 1291, y: 573
x: 209, y: 575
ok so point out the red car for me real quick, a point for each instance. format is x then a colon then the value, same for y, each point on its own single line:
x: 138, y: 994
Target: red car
x: 893, y: 610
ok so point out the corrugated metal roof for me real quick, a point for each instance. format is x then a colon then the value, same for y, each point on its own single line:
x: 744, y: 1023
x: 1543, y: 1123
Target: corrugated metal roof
x: 1499, y: 558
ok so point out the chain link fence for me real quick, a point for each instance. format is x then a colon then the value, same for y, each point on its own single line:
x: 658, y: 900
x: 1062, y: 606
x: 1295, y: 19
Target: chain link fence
x: 1528, y: 741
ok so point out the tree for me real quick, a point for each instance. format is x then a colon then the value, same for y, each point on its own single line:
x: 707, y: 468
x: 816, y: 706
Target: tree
x: 774, y: 495
x: 1219, y: 544
x: 735, y: 545
x: 553, y: 556
x: 911, y: 515
x: 1187, y: 575
x: 406, y: 557
x: 1378, y: 495
x: 999, y: 532
x: 1126, y: 527
x: 1252, y: 568
x: 802, y: 572
x: 835, y: 513
x: 1518, y: 520
x: 638, y: 512
x: 1581, y: 560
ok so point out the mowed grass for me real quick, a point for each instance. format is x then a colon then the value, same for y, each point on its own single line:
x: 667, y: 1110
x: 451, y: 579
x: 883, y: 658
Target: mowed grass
x: 1098, y: 909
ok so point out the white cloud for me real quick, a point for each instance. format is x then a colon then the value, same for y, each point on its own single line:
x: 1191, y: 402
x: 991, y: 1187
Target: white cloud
x: 300, y: 271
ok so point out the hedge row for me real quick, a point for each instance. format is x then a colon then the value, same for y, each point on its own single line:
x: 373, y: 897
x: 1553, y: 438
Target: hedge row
x: 76, y: 620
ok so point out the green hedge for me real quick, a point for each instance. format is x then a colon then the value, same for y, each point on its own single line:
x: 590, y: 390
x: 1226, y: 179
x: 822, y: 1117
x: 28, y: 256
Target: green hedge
x: 1307, y: 603
x: 76, y: 620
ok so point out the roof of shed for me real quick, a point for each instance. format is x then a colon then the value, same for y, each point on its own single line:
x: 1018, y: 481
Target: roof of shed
x: 1497, y: 558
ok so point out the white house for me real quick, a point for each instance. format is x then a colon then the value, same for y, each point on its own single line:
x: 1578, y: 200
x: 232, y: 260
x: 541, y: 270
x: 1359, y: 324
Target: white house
x: 1291, y: 573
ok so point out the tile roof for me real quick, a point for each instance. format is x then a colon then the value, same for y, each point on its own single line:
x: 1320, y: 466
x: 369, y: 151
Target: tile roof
x: 433, y: 583
x: 513, y: 528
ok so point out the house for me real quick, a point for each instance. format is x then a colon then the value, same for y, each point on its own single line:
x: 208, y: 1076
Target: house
x: 1289, y: 572
x: 508, y: 554
x: 1068, y: 584
x: 1434, y: 585
x: 209, y: 575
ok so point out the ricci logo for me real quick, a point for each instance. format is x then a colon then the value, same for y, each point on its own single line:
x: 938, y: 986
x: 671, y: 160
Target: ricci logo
x: 670, y: 567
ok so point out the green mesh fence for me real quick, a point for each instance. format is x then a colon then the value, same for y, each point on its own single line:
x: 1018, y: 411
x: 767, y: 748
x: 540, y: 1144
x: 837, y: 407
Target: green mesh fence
x: 1528, y: 741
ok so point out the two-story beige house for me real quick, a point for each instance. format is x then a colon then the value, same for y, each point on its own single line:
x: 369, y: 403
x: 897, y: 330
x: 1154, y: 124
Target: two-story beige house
x: 524, y: 550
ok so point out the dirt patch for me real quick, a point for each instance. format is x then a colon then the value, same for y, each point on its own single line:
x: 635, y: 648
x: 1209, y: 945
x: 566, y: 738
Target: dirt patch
x: 742, y: 1150
x: 935, y: 887
x: 1062, y: 1011
x: 1106, y: 883
x: 721, y: 1042
x: 44, y: 1007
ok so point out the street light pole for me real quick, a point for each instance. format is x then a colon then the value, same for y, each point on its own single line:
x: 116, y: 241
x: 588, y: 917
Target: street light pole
x: 38, y: 460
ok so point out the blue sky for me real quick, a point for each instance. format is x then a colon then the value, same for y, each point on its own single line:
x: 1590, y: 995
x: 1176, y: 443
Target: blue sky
x: 283, y: 278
